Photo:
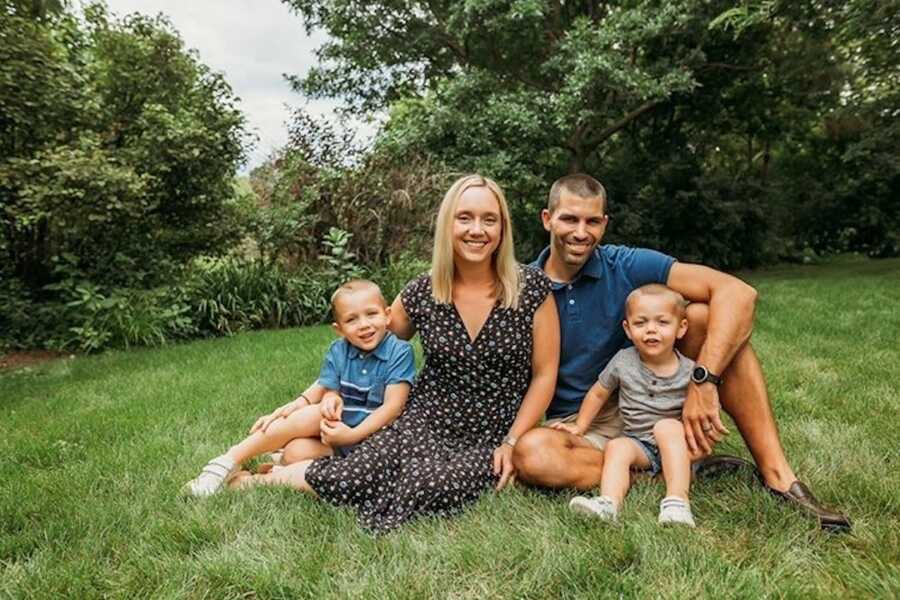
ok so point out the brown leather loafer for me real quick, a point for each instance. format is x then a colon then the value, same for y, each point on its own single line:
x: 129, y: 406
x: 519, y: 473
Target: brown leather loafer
x: 717, y: 465
x: 799, y: 496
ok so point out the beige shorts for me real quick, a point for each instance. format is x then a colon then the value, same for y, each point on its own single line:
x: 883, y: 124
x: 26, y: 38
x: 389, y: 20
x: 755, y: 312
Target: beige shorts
x: 605, y: 426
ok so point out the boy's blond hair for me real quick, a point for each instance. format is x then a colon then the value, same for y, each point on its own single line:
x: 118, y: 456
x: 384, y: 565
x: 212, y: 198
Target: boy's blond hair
x: 657, y: 289
x: 349, y: 287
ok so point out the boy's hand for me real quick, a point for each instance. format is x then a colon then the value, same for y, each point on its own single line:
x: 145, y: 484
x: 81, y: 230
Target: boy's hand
x: 336, y: 433
x: 570, y: 427
x: 332, y: 407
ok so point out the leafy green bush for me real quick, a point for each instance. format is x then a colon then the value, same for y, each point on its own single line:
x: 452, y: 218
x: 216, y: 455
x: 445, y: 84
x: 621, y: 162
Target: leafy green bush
x: 399, y: 271
x: 227, y: 295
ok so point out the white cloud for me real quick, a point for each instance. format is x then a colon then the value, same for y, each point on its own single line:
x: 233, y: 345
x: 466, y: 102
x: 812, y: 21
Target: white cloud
x: 253, y: 43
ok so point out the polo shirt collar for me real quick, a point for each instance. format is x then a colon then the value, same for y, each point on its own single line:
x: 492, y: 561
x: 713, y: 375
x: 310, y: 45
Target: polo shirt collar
x: 592, y: 268
x: 382, y: 351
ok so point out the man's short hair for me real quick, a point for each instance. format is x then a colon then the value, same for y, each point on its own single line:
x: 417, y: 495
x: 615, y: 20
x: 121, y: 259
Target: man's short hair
x: 657, y: 289
x: 349, y: 287
x: 579, y: 184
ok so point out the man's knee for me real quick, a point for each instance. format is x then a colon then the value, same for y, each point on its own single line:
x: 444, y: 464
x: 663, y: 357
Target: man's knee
x: 533, y: 454
x: 697, y: 315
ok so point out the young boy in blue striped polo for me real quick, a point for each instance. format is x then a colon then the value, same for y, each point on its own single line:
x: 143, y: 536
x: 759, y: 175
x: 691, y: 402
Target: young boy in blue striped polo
x: 362, y: 387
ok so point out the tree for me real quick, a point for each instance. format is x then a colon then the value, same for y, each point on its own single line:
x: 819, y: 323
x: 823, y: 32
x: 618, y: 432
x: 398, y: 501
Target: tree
x: 118, y: 147
x: 683, y: 108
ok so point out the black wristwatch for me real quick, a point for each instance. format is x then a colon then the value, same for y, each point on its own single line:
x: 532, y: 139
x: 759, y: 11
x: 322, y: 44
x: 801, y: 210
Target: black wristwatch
x: 701, y: 374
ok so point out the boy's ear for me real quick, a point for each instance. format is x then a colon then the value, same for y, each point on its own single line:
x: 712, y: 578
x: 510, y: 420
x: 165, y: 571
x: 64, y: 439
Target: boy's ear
x: 337, y: 329
x: 625, y: 327
x: 682, y: 329
x: 387, y: 313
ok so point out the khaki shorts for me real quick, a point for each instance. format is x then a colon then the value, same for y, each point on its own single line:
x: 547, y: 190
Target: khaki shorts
x: 605, y: 426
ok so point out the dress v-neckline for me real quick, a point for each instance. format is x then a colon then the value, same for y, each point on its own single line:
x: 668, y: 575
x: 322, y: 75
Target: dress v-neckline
x: 471, y: 340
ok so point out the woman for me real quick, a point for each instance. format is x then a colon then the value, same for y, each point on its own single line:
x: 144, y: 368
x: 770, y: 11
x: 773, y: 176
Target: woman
x: 490, y: 333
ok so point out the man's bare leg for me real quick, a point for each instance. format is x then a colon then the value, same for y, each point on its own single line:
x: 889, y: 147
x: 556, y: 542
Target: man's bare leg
x: 744, y: 396
x: 557, y: 459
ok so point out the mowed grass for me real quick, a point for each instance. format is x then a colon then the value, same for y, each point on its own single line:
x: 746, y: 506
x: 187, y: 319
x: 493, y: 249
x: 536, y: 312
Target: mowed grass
x: 93, y: 452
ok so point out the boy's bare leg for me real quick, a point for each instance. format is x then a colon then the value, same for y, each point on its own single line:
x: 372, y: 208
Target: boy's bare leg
x: 557, y: 459
x: 620, y: 455
x: 291, y: 476
x: 744, y: 396
x: 300, y: 449
x: 673, y: 451
x: 302, y: 423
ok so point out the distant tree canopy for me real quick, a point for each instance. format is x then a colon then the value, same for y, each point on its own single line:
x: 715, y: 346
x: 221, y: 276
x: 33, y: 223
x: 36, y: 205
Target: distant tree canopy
x: 117, y: 147
x: 724, y: 133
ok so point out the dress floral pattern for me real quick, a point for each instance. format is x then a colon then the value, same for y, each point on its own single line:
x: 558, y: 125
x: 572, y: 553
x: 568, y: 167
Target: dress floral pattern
x: 436, y: 458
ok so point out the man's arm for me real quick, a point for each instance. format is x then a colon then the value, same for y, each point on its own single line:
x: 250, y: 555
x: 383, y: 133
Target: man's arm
x: 732, y: 304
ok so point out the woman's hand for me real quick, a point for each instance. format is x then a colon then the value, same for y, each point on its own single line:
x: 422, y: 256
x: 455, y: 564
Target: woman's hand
x: 503, y: 465
x: 570, y: 427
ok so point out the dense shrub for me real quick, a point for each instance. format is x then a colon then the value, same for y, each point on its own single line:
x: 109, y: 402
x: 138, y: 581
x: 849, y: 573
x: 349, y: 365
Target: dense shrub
x: 321, y: 180
x: 115, y: 141
x: 230, y: 295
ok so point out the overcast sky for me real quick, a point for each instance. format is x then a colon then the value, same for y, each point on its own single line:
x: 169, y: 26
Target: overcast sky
x: 253, y: 42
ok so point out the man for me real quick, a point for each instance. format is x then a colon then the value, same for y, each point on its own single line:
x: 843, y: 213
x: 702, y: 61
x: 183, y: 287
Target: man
x: 590, y: 287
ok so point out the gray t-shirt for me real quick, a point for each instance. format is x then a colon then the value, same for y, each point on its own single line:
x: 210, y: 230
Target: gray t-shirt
x: 644, y: 396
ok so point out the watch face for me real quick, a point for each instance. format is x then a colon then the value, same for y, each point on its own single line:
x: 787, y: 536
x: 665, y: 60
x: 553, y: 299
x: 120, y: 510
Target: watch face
x: 699, y: 374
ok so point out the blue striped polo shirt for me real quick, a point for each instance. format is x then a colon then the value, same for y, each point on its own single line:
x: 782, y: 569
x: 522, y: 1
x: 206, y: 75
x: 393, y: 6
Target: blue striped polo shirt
x: 360, y: 378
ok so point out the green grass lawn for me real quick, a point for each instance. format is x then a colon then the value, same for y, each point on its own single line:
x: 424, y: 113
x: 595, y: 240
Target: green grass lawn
x: 93, y: 451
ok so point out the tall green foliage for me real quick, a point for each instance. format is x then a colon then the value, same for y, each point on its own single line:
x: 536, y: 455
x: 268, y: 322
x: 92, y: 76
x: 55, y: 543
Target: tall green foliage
x: 691, y: 111
x: 117, y: 147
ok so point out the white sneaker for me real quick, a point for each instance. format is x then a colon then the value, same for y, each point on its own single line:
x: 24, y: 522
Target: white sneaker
x: 212, y: 477
x: 675, y: 511
x: 601, y: 507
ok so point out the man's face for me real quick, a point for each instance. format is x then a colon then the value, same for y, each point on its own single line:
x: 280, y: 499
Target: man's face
x: 576, y: 227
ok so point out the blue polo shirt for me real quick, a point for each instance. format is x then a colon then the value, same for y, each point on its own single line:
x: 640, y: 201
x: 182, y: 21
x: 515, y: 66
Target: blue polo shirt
x: 591, y: 309
x: 360, y: 378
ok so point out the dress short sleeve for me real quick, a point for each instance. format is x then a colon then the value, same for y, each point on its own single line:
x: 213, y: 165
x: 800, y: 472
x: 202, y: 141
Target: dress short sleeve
x: 535, y: 289
x: 415, y: 296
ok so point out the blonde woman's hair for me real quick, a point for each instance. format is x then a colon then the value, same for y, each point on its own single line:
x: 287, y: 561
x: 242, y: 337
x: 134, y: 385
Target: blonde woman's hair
x: 506, y: 269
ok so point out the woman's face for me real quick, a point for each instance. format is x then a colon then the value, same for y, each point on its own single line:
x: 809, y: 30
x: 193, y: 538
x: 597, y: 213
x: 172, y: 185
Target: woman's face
x: 477, y: 227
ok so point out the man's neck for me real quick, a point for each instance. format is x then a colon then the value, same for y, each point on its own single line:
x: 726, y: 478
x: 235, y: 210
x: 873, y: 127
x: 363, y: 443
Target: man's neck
x: 559, y: 271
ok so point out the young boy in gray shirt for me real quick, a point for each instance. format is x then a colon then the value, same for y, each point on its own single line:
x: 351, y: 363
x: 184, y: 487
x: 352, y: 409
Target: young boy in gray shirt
x: 651, y: 378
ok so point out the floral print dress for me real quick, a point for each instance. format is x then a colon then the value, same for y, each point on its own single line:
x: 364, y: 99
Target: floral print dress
x: 437, y: 457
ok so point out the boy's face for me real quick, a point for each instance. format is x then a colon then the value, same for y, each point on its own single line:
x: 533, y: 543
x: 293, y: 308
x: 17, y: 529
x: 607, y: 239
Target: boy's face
x: 362, y: 318
x: 653, y: 324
